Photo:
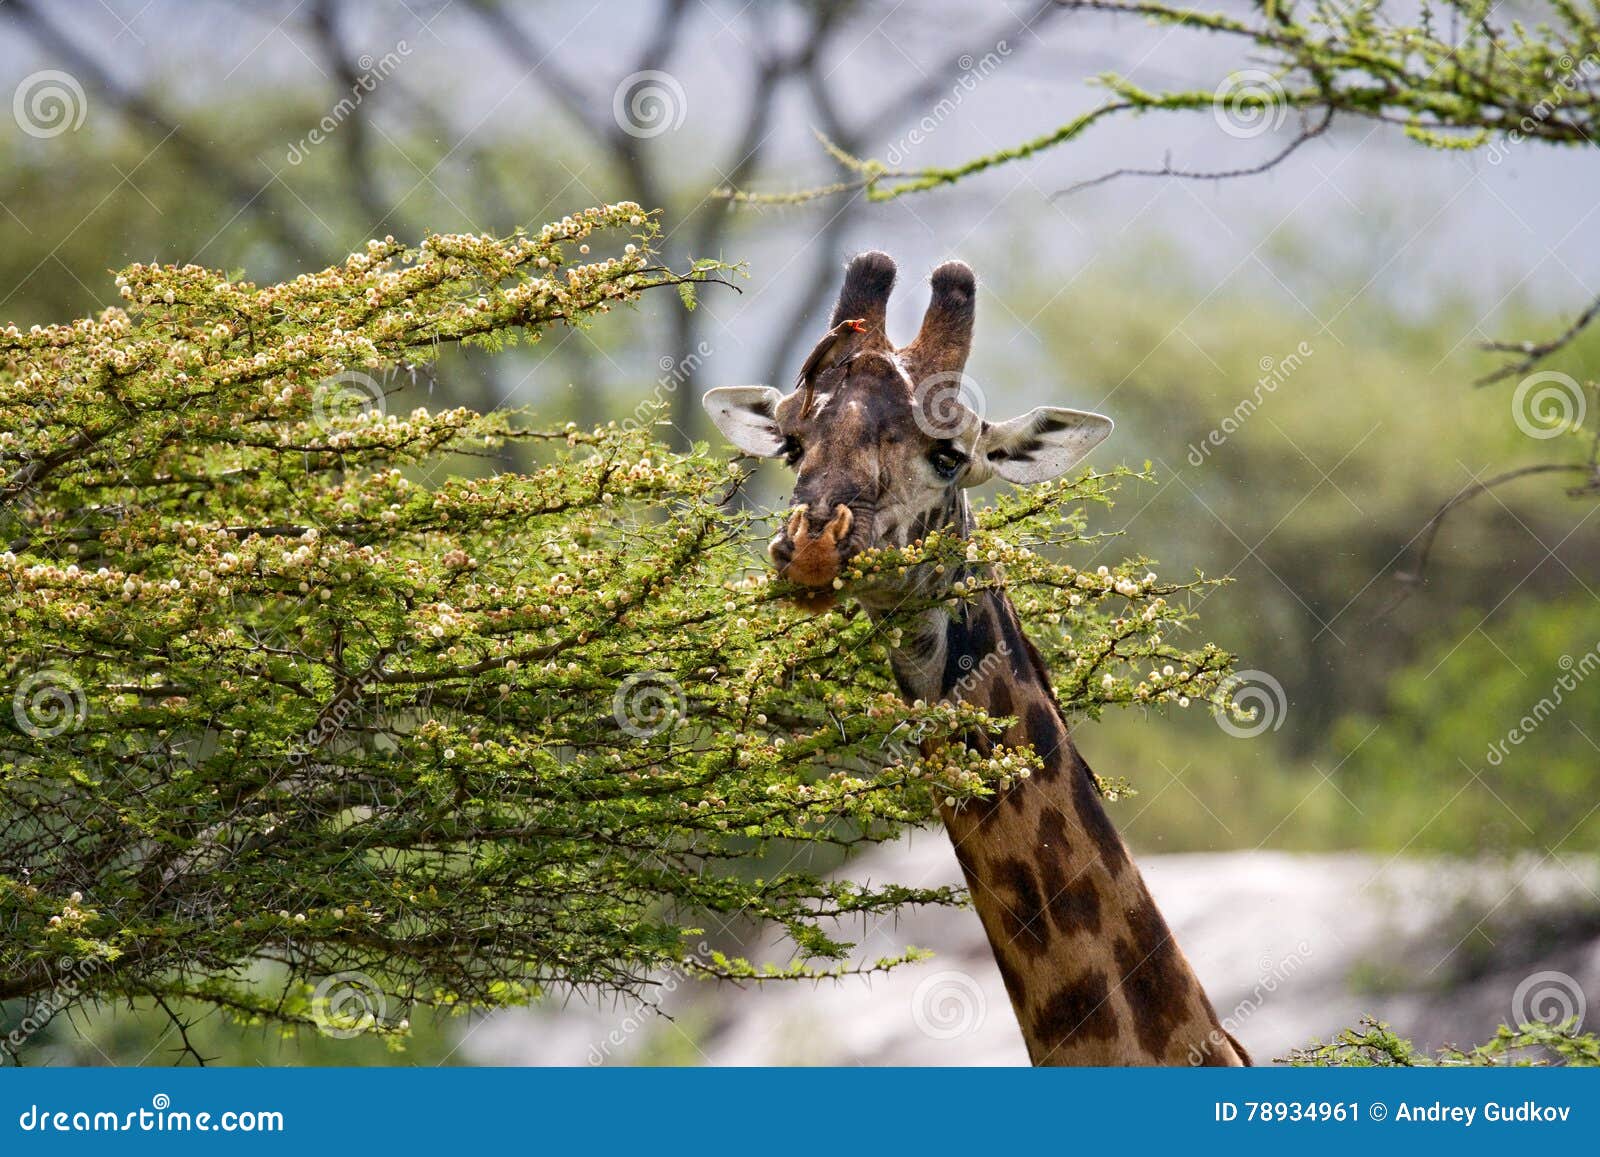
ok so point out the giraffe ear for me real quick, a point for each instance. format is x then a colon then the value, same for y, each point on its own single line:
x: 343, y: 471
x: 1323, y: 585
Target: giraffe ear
x: 1042, y: 444
x: 747, y: 417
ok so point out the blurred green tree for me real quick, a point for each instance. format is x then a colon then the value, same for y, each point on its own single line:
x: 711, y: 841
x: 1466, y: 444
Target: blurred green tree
x: 1495, y: 735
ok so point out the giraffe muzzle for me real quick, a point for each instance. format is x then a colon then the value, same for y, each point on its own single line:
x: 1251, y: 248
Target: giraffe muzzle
x: 810, y: 555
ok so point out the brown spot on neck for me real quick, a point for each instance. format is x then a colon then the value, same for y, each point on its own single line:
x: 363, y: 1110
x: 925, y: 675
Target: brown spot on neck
x: 1073, y: 896
x: 1088, y: 962
x: 1076, y: 1017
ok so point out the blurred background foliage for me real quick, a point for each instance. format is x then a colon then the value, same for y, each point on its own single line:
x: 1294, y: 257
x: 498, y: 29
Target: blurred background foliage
x: 1162, y: 303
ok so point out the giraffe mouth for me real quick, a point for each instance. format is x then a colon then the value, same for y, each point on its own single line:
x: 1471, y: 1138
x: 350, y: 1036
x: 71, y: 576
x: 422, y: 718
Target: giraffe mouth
x: 813, y: 558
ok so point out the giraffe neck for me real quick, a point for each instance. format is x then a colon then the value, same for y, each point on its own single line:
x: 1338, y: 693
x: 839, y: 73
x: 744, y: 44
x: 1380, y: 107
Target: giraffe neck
x: 1089, y: 963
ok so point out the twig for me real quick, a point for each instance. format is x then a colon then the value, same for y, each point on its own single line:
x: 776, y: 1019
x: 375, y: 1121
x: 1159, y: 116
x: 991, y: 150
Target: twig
x: 183, y: 1028
x: 1534, y: 353
x: 1413, y: 580
x: 1307, y: 132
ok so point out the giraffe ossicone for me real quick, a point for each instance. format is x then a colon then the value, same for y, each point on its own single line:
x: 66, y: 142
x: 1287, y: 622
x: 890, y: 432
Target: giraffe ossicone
x: 883, y: 452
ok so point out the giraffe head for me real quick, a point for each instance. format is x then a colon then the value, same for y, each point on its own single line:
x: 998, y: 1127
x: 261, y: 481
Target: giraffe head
x: 881, y: 441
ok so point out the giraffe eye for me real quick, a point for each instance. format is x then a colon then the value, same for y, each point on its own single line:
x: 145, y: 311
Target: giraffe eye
x: 947, y: 461
x: 792, y: 450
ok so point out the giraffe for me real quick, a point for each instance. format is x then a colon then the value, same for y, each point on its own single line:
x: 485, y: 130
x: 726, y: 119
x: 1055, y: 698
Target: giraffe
x: 883, y: 452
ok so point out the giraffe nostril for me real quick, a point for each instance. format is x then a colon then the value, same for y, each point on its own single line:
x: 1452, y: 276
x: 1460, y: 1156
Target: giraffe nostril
x: 833, y: 521
x: 811, y: 550
x: 798, y: 521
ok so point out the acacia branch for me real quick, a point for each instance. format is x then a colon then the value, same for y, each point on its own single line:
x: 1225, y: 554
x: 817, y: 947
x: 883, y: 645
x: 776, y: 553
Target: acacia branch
x: 1307, y: 132
x: 1430, y: 529
x: 1535, y: 352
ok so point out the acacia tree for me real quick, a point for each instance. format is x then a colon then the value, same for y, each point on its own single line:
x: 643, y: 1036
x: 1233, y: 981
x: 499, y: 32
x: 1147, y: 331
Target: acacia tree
x: 295, y: 677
